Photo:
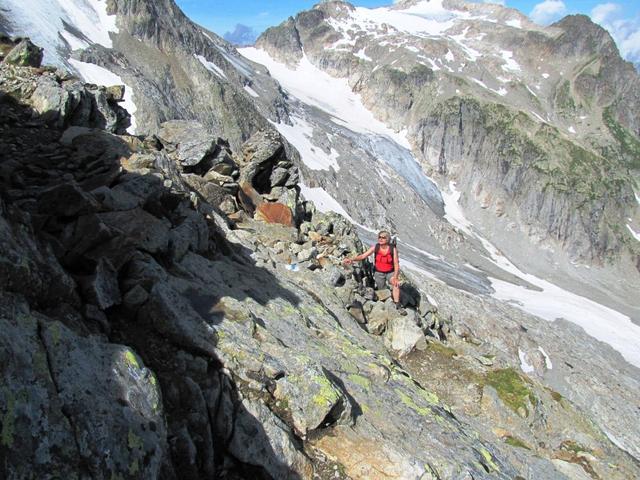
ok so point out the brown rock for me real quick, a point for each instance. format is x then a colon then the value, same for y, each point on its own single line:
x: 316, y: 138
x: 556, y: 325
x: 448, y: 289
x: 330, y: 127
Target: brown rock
x: 275, y: 213
x: 249, y: 198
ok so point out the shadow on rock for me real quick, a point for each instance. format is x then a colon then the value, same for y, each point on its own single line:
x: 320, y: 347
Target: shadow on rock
x: 112, y: 284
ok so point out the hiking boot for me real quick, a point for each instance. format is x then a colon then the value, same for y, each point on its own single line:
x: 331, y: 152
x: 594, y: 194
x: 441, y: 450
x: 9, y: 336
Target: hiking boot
x: 400, y: 310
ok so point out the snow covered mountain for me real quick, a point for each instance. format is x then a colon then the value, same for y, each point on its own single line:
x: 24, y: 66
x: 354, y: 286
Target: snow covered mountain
x: 505, y: 155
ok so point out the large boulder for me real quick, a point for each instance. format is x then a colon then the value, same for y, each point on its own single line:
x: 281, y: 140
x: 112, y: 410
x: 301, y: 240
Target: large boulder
x: 112, y: 402
x: 403, y: 335
x: 275, y: 213
x: 25, y: 54
x: 313, y: 400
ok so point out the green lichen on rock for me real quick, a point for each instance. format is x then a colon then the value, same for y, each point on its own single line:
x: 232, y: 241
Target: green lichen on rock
x: 429, y: 396
x: 364, y: 382
x: 574, y: 447
x: 409, y: 402
x: 134, y: 442
x: 516, y: 442
x: 327, y: 395
x: 488, y: 458
x: 441, y: 349
x: 512, y: 390
x: 130, y: 359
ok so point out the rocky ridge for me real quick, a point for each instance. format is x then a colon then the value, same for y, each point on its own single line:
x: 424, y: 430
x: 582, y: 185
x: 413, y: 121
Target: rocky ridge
x: 172, y: 309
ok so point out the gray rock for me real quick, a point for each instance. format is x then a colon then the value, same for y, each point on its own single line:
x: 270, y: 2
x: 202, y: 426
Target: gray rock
x: 313, y: 400
x: 403, y: 335
x: 307, y: 254
x: 194, y: 143
x: 115, y: 200
x: 25, y: 54
x: 111, y: 399
x: 143, y: 270
x: 262, y: 439
x: 135, y: 297
x: 336, y: 277
x: 279, y: 177
x: 66, y: 200
x: 142, y: 229
x: 357, y: 312
x: 171, y: 315
x: 31, y: 406
x: 191, y: 234
x: 101, y: 288
x: 378, y: 318
x: 143, y: 187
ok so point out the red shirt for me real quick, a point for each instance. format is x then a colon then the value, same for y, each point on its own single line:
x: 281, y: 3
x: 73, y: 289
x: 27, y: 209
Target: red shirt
x: 384, y: 261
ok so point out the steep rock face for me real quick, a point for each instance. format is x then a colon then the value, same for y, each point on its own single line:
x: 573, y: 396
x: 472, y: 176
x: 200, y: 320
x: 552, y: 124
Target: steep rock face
x: 503, y: 168
x: 568, y: 77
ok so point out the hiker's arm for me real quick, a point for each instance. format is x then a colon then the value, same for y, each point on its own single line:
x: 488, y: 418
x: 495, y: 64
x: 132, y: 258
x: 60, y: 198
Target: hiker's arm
x: 396, y: 267
x: 357, y: 258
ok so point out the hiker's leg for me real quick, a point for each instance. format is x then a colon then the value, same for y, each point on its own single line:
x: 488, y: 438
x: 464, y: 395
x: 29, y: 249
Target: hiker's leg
x: 395, y: 293
x: 395, y: 289
x: 380, y: 279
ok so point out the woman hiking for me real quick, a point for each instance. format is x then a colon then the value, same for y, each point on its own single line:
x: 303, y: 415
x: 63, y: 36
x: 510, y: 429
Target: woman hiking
x: 386, y: 266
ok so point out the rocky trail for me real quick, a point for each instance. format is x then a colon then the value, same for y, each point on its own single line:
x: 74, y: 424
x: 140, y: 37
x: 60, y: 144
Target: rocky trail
x: 171, y: 308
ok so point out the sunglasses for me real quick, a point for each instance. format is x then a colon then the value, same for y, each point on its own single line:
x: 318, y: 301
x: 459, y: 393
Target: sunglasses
x: 382, y: 237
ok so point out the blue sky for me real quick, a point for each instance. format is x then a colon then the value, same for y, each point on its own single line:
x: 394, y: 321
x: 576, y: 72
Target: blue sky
x: 620, y: 17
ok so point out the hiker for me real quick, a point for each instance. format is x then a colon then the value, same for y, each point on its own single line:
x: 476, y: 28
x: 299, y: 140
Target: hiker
x: 386, y: 265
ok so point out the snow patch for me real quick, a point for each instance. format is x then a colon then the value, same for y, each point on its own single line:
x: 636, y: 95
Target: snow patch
x: 333, y: 95
x: 525, y: 366
x: 299, y: 135
x: 553, y: 302
x: 212, y: 67
x: 449, y: 56
x: 479, y: 82
x: 101, y: 76
x: 571, y: 129
x: 635, y: 234
x: 510, y: 65
x: 515, y: 23
x: 323, y: 201
x: 545, y: 75
x: 251, y: 91
x: 453, y: 212
x: 547, y: 360
x: 360, y: 54
x: 43, y: 21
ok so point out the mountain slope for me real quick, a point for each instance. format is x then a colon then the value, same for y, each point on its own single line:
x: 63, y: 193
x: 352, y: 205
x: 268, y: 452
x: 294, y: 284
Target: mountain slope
x: 560, y: 99
x: 243, y: 333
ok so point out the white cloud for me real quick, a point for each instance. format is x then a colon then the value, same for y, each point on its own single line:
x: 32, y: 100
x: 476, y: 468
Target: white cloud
x: 625, y: 30
x: 497, y: 2
x: 548, y: 11
x: 600, y: 12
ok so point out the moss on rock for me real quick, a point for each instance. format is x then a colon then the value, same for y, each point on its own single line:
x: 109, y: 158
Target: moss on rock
x: 512, y: 390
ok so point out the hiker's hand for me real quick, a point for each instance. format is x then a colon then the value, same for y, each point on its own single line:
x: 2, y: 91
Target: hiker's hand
x: 394, y: 281
x: 347, y: 261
